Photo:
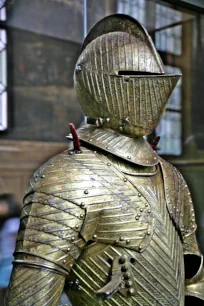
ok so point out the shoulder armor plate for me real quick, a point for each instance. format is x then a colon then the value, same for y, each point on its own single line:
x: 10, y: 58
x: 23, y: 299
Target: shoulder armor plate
x: 178, y: 199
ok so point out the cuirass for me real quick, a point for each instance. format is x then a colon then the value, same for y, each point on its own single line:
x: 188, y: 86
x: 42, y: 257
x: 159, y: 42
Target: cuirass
x: 156, y: 273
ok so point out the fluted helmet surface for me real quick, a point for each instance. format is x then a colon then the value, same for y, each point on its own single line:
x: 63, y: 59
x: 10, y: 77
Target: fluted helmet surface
x: 119, y: 77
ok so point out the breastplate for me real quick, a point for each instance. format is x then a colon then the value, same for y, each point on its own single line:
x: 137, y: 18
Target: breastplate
x: 156, y: 273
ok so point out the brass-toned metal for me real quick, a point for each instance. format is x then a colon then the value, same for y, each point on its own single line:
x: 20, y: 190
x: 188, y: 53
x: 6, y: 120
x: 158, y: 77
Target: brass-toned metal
x: 115, y: 224
x: 119, y: 76
x: 121, y: 279
x: 195, y: 288
x: 137, y: 152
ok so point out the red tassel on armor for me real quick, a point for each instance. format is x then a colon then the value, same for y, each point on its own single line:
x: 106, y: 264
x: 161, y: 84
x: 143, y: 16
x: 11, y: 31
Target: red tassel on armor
x: 76, y: 140
x: 155, y: 143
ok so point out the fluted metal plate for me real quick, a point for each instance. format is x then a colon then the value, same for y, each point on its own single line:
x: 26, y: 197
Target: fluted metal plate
x: 141, y: 99
x: 137, y: 151
x: 122, y: 23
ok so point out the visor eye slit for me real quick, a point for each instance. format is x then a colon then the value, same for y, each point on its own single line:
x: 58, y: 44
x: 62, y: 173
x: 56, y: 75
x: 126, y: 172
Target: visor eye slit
x: 135, y: 73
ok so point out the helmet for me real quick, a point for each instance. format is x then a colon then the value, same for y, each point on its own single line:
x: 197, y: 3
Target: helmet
x: 119, y: 77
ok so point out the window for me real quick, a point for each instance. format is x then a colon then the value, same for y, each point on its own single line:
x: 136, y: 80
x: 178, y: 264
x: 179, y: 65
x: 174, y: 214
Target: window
x: 3, y: 70
x: 135, y: 8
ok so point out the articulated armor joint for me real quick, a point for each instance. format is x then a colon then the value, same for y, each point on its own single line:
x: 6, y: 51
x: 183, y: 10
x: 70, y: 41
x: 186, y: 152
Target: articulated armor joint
x: 33, y: 260
x: 110, y: 222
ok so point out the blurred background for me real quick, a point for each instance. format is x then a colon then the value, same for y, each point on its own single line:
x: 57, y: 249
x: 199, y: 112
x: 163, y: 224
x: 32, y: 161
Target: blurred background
x: 39, y: 44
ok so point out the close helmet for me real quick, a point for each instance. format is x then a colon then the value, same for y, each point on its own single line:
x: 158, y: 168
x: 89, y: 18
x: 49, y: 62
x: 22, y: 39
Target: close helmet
x: 119, y: 77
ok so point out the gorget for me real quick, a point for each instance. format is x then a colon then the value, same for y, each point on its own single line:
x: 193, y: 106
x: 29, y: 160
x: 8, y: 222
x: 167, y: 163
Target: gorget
x: 134, y: 150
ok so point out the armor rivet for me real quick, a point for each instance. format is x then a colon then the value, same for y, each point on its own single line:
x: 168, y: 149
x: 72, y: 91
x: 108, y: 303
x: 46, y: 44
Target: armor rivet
x: 139, y: 215
x: 125, y: 180
x: 149, y: 211
x: 128, y: 157
x: 128, y: 284
x: 139, y: 195
x: 193, y: 226
x: 81, y: 216
x: 77, y: 282
x: 193, y: 220
x: 64, y: 261
x: 78, y: 69
x: 147, y: 162
x: 77, y: 226
x: 132, y: 260
x: 131, y: 291
x: 95, y: 152
x: 167, y: 195
x: 107, y: 119
x: 121, y: 128
x: 86, y: 191
x: 90, y: 140
x: 95, y: 236
x: 73, y: 238
x: 68, y: 250
x: 108, y: 164
x: 193, y: 215
x: 122, y: 260
x: 146, y: 205
x: 137, y: 218
x: 43, y: 176
x: 177, y: 210
x: 117, y: 241
x: 148, y: 233
x: 192, y: 209
x: 82, y: 205
x: 174, y: 207
x: 189, y: 193
x: 107, y: 147
x: 155, y: 157
x: 126, y: 275
x: 141, y: 209
x: 167, y: 188
x: 127, y: 241
x: 124, y: 268
x: 121, y: 238
x: 126, y: 120
x: 190, y: 201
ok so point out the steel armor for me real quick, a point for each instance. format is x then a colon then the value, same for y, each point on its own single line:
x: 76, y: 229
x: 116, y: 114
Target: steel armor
x: 111, y: 223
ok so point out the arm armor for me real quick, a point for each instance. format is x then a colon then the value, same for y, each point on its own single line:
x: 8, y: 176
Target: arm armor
x: 194, y: 272
x: 182, y: 212
x: 193, y: 259
x: 48, y: 240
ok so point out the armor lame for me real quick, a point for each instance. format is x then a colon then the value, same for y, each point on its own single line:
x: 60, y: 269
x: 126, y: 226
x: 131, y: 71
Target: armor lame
x: 110, y: 222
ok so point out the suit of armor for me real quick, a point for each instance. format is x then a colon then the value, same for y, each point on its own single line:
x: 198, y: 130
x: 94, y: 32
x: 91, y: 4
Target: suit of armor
x: 111, y: 223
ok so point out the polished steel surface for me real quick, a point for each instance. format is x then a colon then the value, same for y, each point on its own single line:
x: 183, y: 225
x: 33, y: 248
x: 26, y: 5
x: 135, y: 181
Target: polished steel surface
x: 118, y: 77
x: 111, y: 223
x: 137, y: 152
